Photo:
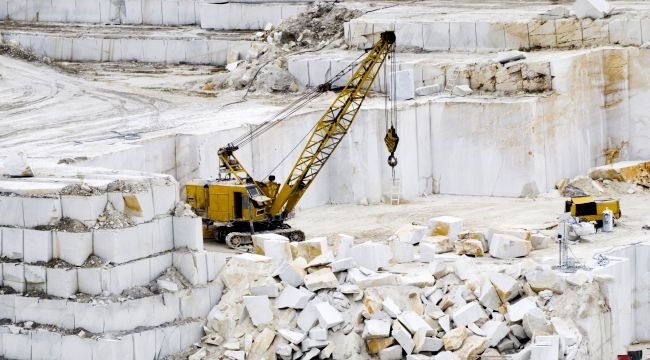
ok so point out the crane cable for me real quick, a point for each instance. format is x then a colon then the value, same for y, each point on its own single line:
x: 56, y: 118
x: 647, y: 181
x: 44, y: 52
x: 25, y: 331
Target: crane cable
x: 390, y: 113
x: 293, y: 107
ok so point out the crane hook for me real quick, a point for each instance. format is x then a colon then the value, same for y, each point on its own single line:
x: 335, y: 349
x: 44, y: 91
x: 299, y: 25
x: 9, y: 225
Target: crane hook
x: 391, y: 139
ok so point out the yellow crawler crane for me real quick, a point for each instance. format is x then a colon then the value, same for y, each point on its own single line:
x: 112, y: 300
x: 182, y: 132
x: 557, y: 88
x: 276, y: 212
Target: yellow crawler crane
x: 234, y: 206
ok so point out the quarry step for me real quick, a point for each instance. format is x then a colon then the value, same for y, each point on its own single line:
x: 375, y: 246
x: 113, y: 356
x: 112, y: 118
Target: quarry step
x: 171, y: 45
x: 234, y: 15
x: 431, y: 28
x: 111, y: 314
x: 45, y: 342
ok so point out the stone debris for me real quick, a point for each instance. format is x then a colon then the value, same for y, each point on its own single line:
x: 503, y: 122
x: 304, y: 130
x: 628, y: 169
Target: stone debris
x: 636, y: 172
x: 113, y: 219
x: 457, y: 312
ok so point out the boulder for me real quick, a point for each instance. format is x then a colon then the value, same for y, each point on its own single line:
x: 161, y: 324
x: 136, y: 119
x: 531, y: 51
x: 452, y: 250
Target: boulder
x: 504, y: 246
x: 454, y: 339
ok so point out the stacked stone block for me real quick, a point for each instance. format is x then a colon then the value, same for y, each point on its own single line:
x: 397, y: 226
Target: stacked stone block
x: 101, y: 271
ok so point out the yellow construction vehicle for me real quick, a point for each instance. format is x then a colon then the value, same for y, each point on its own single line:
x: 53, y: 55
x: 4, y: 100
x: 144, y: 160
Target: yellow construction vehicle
x: 234, y: 205
x: 589, y: 209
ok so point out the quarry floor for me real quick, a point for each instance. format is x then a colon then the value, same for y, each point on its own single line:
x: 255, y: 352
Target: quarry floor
x: 377, y: 222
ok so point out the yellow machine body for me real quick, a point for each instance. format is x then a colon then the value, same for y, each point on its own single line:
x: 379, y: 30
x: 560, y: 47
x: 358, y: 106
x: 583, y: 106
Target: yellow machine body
x: 589, y: 209
x: 226, y: 202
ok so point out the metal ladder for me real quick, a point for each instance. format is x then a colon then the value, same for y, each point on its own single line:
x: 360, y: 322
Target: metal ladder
x: 449, y: 85
x: 395, y: 192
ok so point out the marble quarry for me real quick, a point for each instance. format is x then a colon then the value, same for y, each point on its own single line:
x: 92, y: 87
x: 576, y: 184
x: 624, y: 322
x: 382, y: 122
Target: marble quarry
x: 102, y: 259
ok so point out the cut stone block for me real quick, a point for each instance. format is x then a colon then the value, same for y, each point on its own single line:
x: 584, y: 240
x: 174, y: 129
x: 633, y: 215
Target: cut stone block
x: 292, y: 273
x: 328, y: 316
x: 375, y: 328
x: 318, y: 333
x: 270, y: 290
x: 11, y: 208
x: 489, y: 297
x: 431, y: 344
x: 376, y: 280
x: 427, y: 251
x: 402, y: 252
x: 259, y: 309
x: 517, y: 310
x: 449, y: 226
x: 343, y: 264
x: 404, y: 85
x: 139, y: 205
x: 403, y: 338
x: 192, y: 265
x: 470, y: 247
x: 391, y: 308
x: 294, y: 298
x: 453, y: 339
x: 410, y: 233
x: 188, y: 233
x: 163, y: 234
x: 343, y: 244
x: 506, y: 287
x: 274, y: 246
x: 13, y: 272
x: 62, y: 282
x: 427, y: 90
x: 83, y: 208
x: 540, y: 280
x: 308, y: 317
x: 545, y: 347
x: 35, y: 274
x: 376, y: 345
x: 461, y: 90
x: 519, y: 233
x: 12, y: 243
x: 115, y: 245
x: 439, y: 243
x: 371, y: 255
x: 495, y: 331
x: 568, y: 333
x: 41, y: 211
x: 469, y: 313
x: 16, y: 344
x: 413, y: 322
x: 391, y: 353
x: 165, y: 197
x: 73, y: 248
x: 508, y: 247
x: 294, y: 337
x: 321, y: 279
x: 37, y: 246
x: 594, y: 9
x: 472, y: 347
x: 215, y: 262
x: 310, y: 248
x: 90, y: 280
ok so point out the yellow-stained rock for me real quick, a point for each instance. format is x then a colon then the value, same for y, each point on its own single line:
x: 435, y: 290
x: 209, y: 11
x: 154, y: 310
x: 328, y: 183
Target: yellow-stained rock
x: 472, y: 347
x: 309, y: 249
x: 629, y: 171
x: 454, y: 339
x: 379, y: 344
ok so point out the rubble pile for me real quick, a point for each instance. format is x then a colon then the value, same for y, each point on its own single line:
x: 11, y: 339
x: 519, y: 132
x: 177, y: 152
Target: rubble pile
x: 107, y: 271
x: 403, y: 300
x: 265, y: 69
